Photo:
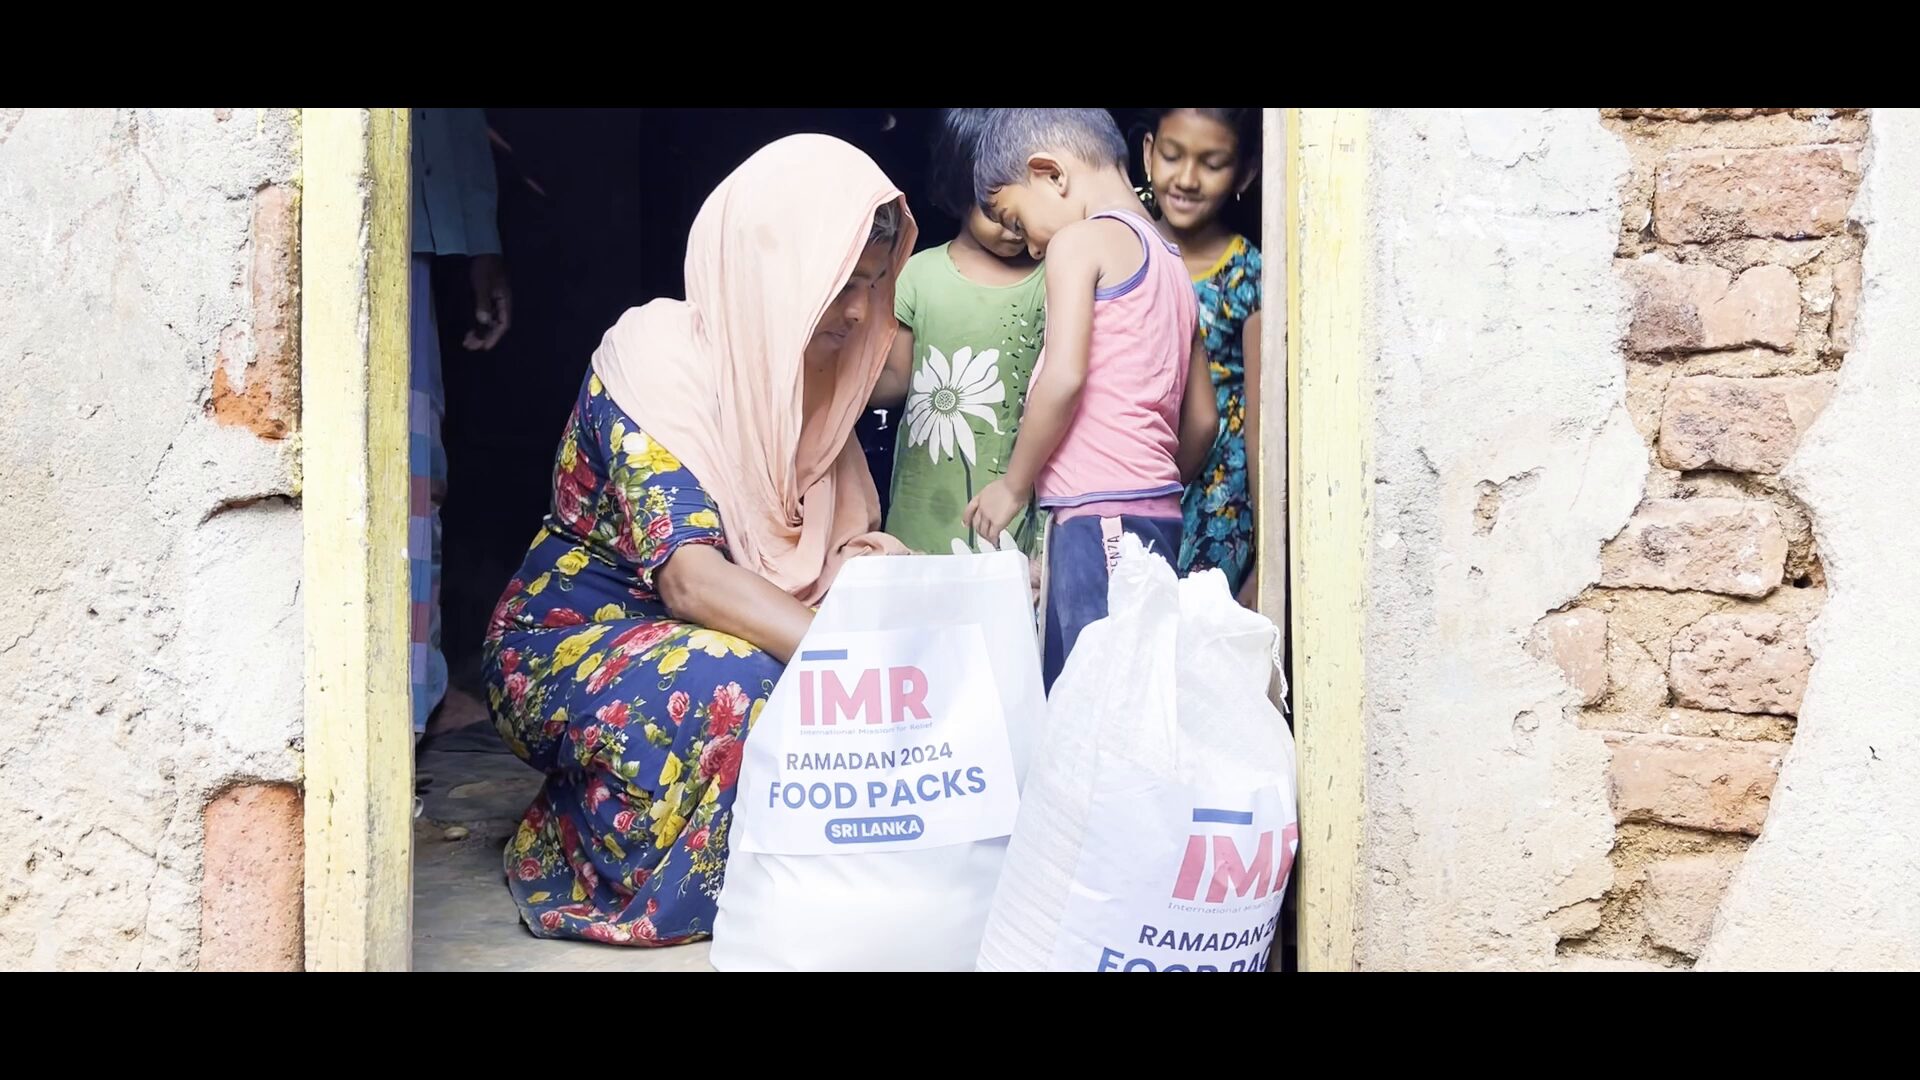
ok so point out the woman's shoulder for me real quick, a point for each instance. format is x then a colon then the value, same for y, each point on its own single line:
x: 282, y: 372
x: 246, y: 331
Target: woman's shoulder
x: 594, y: 404
x: 625, y: 441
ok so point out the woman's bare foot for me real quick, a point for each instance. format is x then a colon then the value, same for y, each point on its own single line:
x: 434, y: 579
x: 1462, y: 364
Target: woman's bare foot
x: 457, y: 710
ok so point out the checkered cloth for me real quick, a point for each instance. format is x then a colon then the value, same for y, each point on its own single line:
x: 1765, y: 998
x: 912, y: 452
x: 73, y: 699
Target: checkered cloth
x: 427, y: 466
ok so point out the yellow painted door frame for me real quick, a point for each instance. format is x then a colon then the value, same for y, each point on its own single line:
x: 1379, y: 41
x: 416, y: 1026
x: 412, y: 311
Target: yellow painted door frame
x: 355, y: 254
x: 356, y: 212
x: 1330, y: 482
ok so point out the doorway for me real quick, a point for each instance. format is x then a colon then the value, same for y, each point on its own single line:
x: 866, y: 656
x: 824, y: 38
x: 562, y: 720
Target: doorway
x: 594, y: 208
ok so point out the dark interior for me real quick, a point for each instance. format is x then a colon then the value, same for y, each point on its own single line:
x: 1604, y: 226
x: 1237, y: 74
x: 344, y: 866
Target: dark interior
x: 594, y: 210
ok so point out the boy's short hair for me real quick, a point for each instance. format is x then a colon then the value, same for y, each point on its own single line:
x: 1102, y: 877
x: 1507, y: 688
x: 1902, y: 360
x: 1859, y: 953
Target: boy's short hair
x: 955, y: 136
x: 1008, y: 137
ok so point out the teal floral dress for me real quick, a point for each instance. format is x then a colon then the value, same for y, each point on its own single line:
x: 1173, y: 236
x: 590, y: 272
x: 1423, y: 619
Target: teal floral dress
x: 1218, y: 508
x: 635, y: 717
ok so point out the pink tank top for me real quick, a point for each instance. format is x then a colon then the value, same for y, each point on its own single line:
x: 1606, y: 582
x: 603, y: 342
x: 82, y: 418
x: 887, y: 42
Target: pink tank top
x: 1123, y: 442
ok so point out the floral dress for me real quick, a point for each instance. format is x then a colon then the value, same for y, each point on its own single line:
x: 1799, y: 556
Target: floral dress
x: 635, y: 717
x: 1217, y: 506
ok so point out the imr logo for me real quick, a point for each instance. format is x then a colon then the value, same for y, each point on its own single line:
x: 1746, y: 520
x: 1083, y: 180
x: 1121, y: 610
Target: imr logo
x: 1216, y: 859
x: 825, y: 700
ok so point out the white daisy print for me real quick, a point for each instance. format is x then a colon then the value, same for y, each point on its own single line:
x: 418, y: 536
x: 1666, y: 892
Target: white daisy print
x: 945, y: 394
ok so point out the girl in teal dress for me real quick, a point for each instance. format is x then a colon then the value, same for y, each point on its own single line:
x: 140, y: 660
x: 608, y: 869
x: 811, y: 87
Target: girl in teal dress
x: 1198, y: 162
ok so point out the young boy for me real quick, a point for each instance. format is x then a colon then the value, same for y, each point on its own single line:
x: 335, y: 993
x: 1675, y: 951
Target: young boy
x: 1122, y: 411
x: 970, y: 323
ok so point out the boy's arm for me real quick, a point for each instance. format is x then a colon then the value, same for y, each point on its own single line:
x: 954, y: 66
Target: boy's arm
x: 1199, y: 414
x: 891, y: 391
x: 1073, y: 270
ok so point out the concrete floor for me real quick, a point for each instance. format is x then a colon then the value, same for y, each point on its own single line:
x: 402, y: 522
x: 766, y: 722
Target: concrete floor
x: 463, y: 918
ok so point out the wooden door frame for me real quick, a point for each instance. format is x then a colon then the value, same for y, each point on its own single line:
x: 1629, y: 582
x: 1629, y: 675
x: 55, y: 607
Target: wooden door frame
x: 355, y: 258
x: 356, y: 214
x: 1329, y: 475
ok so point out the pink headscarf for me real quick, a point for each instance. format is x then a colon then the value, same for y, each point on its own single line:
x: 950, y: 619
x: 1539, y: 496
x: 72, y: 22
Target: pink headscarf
x: 716, y: 380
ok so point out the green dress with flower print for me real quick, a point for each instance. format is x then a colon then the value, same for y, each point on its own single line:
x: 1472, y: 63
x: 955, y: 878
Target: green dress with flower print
x: 974, y: 348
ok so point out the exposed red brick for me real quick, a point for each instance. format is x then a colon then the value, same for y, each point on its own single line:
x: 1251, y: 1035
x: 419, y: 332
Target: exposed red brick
x: 1742, y: 425
x: 1692, y: 307
x: 1731, y: 546
x: 1576, y: 640
x: 1748, y: 662
x: 251, y: 910
x: 1710, y: 784
x: 1683, y: 894
x: 1689, y: 115
x: 1788, y: 192
x: 266, y: 398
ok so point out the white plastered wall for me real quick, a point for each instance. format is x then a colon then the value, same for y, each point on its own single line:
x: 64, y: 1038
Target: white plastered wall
x: 150, y: 630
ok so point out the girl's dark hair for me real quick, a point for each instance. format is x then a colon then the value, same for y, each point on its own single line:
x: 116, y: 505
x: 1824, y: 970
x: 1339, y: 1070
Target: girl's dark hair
x: 1244, y: 123
x: 956, y: 137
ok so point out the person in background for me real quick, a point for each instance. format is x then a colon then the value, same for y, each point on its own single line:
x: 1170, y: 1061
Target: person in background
x: 1121, y: 412
x: 1197, y: 162
x: 970, y: 316
x: 455, y: 200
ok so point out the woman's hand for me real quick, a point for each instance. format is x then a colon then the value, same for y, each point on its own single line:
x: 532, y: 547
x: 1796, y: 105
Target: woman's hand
x: 700, y: 586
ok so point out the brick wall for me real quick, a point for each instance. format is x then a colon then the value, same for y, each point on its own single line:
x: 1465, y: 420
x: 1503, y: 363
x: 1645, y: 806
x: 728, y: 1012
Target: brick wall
x: 1690, y: 654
